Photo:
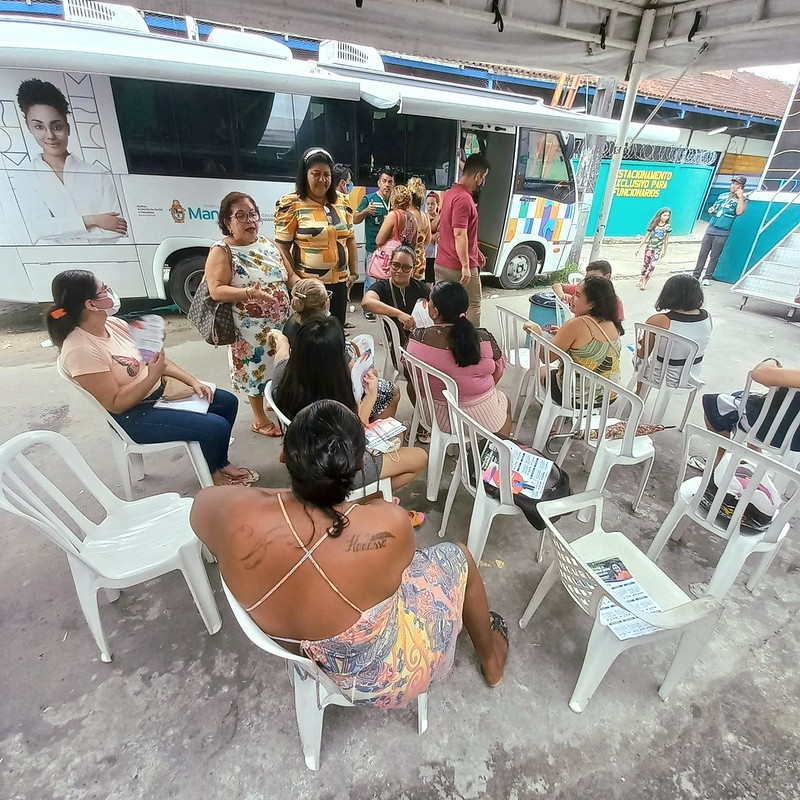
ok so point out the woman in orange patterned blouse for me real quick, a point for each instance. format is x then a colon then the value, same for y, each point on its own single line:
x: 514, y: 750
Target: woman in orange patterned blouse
x: 314, y: 229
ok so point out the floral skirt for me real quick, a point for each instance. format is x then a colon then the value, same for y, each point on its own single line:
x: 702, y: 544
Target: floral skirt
x: 251, y: 367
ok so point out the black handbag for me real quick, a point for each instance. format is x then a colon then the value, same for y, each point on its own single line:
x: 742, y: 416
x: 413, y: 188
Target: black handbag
x: 212, y: 318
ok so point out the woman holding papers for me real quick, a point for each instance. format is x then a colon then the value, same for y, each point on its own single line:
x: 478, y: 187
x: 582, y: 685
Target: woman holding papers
x: 100, y: 355
x: 317, y: 369
x: 468, y: 354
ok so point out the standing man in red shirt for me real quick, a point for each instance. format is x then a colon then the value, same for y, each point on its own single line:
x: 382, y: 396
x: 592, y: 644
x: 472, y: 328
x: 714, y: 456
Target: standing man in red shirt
x: 458, y: 257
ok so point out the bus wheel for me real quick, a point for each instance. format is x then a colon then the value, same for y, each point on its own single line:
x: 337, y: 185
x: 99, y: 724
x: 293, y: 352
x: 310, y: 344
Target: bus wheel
x: 184, y: 278
x: 520, y: 268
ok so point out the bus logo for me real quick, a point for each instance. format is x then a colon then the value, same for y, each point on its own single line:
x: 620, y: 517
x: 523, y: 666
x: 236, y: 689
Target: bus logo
x: 177, y: 211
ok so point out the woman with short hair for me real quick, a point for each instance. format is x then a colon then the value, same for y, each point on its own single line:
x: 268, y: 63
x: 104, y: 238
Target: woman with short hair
x: 314, y: 229
x: 343, y: 583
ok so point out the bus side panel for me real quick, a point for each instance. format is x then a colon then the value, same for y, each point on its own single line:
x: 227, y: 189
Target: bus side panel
x: 536, y: 219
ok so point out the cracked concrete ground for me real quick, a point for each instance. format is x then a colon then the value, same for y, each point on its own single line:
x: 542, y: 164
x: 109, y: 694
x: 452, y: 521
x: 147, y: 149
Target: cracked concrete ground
x: 182, y: 714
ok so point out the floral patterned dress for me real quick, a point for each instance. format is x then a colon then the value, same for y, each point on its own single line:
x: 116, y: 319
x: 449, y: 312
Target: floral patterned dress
x: 259, y: 264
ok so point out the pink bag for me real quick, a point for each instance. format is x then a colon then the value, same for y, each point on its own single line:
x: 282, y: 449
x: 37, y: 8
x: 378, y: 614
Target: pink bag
x: 380, y: 260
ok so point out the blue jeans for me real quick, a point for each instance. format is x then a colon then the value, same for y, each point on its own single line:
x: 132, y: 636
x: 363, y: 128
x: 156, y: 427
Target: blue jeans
x: 146, y: 424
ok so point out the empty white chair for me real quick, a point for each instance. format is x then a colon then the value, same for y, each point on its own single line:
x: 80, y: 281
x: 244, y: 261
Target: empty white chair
x: 313, y: 689
x: 129, y: 454
x: 392, y: 363
x: 513, y: 343
x: 592, y: 397
x: 283, y: 420
x: 665, y: 366
x: 742, y: 539
x: 425, y: 415
x: 539, y: 387
x: 471, y: 438
x: 135, y: 542
x: 619, y: 623
x: 774, y: 436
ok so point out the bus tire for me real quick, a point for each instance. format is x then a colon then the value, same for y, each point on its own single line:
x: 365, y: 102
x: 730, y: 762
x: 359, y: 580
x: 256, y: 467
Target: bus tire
x: 184, y: 278
x: 520, y: 268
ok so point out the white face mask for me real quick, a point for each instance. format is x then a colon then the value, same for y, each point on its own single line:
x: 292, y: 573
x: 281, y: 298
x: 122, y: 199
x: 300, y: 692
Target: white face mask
x: 116, y: 303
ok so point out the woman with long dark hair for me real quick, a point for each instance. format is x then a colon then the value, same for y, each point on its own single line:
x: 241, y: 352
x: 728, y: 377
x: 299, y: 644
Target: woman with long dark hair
x: 593, y: 336
x: 343, y: 583
x: 317, y: 368
x: 470, y: 355
x: 314, y: 229
x: 98, y: 353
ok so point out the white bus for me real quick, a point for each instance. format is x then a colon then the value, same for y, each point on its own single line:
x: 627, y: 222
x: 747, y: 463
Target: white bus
x: 161, y: 128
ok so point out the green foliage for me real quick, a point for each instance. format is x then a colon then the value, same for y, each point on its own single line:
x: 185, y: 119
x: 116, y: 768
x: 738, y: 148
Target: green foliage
x: 559, y: 276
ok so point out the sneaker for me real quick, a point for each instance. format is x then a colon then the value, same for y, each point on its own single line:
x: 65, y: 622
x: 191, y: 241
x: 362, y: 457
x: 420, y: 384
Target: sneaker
x: 706, y: 282
x: 369, y: 316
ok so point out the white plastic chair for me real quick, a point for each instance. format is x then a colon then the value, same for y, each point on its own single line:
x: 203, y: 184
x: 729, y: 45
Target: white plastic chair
x: 592, y: 397
x: 382, y: 486
x: 663, y: 349
x: 390, y: 338
x: 425, y: 415
x: 764, y: 434
x: 540, y: 388
x: 135, y: 542
x: 694, y: 618
x: 313, y: 689
x: 283, y: 420
x: 563, y: 312
x: 574, y: 278
x: 742, y: 540
x: 513, y: 343
x: 471, y: 438
x: 129, y: 454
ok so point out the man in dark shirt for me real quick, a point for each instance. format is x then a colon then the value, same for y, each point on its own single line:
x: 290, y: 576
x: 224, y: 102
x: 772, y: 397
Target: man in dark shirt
x: 396, y: 296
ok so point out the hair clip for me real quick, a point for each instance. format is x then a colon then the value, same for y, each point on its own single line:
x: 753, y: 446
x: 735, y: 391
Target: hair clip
x: 57, y: 313
x: 301, y: 296
x: 462, y: 315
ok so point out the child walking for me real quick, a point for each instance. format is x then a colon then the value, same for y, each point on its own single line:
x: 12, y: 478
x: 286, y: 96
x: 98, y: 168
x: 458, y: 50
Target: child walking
x: 654, y: 243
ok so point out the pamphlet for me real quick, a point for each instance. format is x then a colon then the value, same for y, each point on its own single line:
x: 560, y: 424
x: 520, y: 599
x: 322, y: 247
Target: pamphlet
x: 383, y: 434
x: 422, y: 318
x: 195, y: 402
x: 364, y: 361
x: 622, y: 584
x: 529, y: 471
x: 148, y: 333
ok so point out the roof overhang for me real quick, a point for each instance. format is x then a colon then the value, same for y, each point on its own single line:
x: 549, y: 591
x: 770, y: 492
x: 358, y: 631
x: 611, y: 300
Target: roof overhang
x: 578, y: 36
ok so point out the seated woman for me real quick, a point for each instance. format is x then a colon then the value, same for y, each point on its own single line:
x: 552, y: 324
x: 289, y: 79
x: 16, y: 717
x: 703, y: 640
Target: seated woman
x: 344, y: 584
x: 317, y: 369
x: 592, y: 336
x: 467, y: 354
x: 680, y: 310
x: 310, y: 299
x: 99, y: 354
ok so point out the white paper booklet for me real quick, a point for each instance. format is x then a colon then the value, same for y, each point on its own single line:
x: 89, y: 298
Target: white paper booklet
x: 621, y: 584
x: 148, y: 334
x: 364, y: 361
x: 422, y: 319
x: 529, y: 471
x: 195, y: 403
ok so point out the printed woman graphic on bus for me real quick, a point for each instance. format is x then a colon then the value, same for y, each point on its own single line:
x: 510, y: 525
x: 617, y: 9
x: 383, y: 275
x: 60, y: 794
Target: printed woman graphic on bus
x: 63, y: 199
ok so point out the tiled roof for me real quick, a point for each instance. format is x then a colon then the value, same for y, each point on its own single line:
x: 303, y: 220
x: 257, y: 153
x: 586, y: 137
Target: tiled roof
x: 734, y: 90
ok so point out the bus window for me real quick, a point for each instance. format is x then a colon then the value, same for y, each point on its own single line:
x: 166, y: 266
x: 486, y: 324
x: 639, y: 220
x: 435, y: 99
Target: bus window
x: 381, y: 137
x: 266, y: 125
x: 429, y: 150
x: 326, y: 123
x: 542, y: 168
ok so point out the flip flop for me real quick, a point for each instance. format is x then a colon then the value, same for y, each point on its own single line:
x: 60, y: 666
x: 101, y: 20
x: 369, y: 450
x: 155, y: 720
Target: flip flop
x: 496, y: 623
x: 250, y: 476
x: 696, y: 462
x: 416, y: 517
x: 269, y: 429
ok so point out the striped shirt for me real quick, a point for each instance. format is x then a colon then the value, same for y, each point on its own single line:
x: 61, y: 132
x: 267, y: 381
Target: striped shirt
x: 320, y: 233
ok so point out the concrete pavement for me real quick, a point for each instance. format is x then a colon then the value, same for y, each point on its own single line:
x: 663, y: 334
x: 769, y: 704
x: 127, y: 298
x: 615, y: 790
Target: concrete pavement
x: 182, y: 714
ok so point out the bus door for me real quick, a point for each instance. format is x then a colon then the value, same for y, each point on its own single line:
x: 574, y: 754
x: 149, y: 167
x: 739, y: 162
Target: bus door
x: 498, y: 144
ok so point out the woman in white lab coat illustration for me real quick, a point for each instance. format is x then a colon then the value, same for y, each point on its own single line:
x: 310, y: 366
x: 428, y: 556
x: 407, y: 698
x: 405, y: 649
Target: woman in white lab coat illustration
x: 63, y: 199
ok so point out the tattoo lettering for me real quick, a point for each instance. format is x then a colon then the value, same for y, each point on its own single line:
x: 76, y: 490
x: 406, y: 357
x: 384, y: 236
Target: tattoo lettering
x: 377, y: 541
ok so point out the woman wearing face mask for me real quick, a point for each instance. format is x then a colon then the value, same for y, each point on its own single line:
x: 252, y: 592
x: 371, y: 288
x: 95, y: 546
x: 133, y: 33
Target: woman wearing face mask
x: 249, y: 272
x: 314, y: 229
x: 63, y: 199
x: 98, y: 353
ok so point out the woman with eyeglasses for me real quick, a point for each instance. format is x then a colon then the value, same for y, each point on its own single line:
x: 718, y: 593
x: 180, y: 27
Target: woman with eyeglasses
x: 314, y: 229
x: 249, y: 272
x: 99, y: 354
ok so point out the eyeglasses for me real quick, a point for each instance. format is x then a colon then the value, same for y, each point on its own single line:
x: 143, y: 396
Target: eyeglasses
x: 402, y: 267
x: 247, y: 216
x: 104, y: 290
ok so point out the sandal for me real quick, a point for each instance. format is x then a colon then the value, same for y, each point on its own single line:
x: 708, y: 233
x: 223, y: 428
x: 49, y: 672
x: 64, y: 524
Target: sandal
x: 250, y: 476
x: 696, y: 462
x: 415, y: 517
x: 496, y: 623
x: 269, y: 428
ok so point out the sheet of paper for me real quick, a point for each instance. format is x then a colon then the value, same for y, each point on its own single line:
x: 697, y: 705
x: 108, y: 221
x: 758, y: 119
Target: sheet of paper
x: 529, y: 471
x: 362, y: 363
x: 195, y: 403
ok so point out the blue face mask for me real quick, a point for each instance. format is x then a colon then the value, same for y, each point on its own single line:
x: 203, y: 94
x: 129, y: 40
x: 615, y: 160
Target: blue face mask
x: 348, y: 187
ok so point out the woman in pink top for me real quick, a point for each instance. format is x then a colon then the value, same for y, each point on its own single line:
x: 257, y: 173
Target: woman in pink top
x: 468, y: 354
